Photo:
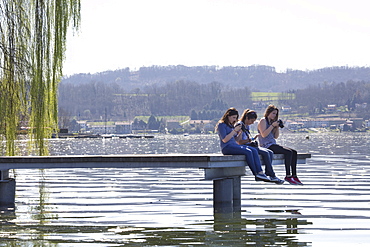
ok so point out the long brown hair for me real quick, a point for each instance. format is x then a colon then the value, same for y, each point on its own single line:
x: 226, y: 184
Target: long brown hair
x: 230, y: 112
x: 270, y: 109
x: 248, y: 114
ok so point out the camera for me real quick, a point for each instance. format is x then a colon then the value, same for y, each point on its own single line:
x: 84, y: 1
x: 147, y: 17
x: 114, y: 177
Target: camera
x: 281, y: 124
x: 243, y: 126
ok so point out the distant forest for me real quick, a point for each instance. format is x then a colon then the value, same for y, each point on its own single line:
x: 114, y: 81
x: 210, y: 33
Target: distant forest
x: 99, y: 100
x: 207, y: 91
x: 256, y: 78
x: 352, y: 97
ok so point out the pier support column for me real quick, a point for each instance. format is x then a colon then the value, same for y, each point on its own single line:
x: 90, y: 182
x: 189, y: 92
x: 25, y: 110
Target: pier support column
x: 7, y: 190
x: 237, y: 194
x: 227, y: 194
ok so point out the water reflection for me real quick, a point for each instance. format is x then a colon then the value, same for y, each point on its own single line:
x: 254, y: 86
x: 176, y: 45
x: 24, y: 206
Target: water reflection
x: 232, y: 231
x: 41, y: 211
x: 227, y: 232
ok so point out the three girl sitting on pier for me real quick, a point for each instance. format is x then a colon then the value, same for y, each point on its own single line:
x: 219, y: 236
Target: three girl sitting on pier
x: 235, y: 139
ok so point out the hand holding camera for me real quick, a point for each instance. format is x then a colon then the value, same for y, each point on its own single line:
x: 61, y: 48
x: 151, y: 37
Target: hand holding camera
x: 278, y: 123
x: 238, y: 127
x: 242, y: 127
x: 281, y: 124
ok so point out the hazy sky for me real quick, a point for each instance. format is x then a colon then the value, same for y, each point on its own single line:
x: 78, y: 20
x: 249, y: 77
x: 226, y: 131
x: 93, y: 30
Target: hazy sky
x: 295, y: 34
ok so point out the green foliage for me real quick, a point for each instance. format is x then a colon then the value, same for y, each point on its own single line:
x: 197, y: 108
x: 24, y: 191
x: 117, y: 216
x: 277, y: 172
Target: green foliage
x: 271, y: 96
x: 32, y: 46
x: 103, y: 123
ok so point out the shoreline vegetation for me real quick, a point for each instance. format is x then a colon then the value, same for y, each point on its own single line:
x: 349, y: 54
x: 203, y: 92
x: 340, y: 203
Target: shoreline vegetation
x: 303, y: 117
x: 154, y: 134
x: 150, y: 125
x: 331, y: 118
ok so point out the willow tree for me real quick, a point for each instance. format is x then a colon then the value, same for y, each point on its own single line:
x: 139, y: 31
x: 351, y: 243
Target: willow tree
x: 32, y: 47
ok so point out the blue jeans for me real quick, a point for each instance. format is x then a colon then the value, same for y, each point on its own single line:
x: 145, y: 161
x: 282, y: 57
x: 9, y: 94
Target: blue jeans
x: 267, y: 156
x: 251, y: 155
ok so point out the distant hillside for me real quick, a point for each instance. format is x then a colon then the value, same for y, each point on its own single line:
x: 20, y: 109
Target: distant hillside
x: 256, y: 78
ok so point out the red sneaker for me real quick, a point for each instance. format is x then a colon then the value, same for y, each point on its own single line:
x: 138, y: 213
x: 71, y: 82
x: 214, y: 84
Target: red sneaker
x: 296, y: 179
x: 290, y: 180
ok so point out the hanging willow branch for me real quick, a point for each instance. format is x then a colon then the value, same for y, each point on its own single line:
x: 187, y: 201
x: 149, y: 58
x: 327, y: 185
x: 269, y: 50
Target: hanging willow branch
x: 32, y: 47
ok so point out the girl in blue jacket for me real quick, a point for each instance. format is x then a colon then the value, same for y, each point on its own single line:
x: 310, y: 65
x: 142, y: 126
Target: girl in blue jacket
x: 228, y: 141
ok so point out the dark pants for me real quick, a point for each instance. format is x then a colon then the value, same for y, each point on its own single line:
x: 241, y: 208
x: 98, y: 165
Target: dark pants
x: 290, y: 156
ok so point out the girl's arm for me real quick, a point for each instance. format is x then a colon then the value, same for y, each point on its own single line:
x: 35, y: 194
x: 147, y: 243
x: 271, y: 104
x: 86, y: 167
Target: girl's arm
x: 264, y: 132
x: 225, y: 137
x: 242, y: 139
x: 276, y: 132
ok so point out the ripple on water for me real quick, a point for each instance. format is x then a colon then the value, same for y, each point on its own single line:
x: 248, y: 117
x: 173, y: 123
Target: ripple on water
x: 174, y: 206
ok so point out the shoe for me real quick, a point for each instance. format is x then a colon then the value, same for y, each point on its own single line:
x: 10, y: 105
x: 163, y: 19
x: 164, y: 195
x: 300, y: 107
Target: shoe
x: 276, y: 180
x: 290, y: 180
x: 296, y: 179
x: 262, y: 177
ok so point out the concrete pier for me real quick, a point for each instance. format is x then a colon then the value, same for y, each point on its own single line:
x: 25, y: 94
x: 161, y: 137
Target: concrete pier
x: 224, y: 170
x: 7, y: 190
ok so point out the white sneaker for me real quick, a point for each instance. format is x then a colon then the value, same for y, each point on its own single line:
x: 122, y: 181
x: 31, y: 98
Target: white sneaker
x: 262, y: 177
x: 276, y: 180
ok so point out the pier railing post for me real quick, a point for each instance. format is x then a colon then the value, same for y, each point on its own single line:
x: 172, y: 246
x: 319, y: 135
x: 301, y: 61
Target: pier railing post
x: 7, y: 190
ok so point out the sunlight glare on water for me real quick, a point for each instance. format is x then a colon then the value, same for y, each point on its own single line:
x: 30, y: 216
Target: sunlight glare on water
x: 170, y: 207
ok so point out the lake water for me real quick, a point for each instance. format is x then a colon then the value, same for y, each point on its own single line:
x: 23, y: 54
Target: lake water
x: 174, y: 207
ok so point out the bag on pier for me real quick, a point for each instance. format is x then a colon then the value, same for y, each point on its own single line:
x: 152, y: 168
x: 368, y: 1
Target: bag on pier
x: 253, y: 144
